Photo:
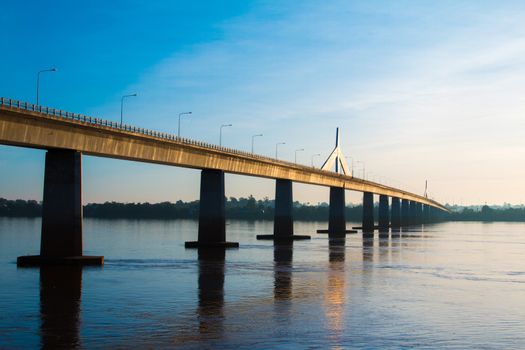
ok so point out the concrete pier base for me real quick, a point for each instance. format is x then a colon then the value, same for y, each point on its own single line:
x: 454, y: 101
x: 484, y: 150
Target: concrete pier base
x: 39, y: 260
x: 197, y: 244
x: 395, y: 213
x: 368, y: 214
x: 283, y: 239
x: 321, y: 231
x: 361, y: 227
x: 383, y: 219
x: 212, y: 217
x: 61, y: 239
x: 283, y: 219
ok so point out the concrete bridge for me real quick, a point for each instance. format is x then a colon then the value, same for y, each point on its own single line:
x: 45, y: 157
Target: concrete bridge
x: 66, y: 136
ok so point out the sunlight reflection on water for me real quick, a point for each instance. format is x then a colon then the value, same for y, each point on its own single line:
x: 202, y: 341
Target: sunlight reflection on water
x: 452, y: 285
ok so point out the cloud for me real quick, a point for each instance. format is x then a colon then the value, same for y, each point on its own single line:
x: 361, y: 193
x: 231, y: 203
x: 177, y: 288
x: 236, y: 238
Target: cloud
x: 296, y: 73
x: 418, y: 87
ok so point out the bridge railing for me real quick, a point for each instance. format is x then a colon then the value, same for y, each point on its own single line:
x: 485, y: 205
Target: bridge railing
x: 7, y: 102
x: 130, y: 128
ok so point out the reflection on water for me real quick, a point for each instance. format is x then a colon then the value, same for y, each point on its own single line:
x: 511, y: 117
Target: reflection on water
x: 368, y: 249
x: 395, y: 232
x: 211, y: 292
x: 282, y: 257
x: 454, y: 285
x: 60, y: 291
x: 334, y: 301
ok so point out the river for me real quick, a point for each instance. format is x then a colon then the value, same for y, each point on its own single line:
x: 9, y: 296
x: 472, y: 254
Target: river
x: 449, y: 285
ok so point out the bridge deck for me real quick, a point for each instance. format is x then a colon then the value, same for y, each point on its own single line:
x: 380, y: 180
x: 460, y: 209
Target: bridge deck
x: 27, y: 125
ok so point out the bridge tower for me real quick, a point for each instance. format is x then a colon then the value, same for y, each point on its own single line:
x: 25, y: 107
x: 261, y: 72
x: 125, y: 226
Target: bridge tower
x: 337, y: 218
x: 337, y: 158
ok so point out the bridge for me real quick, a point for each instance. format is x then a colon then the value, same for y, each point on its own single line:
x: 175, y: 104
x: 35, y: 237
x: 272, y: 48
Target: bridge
x: 66, y: 136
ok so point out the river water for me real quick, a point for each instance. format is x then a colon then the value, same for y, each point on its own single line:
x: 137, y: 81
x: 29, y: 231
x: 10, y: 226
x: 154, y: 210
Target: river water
x: 450, y: 285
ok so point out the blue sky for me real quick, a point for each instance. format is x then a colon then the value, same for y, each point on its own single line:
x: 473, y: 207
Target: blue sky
x: 422, y: 90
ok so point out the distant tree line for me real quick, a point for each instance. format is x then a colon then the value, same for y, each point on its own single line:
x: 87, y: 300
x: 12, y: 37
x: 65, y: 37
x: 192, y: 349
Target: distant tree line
x: 489, y: 214
x: 240, y: 208
x: 20, y: 208
x: 236, y: 208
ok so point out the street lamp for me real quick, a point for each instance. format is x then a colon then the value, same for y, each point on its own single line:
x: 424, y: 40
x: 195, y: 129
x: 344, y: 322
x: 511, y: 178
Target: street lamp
x: 297, y: 150
x: 122, y: 104
x: 220, y: 133
x: 352, y: 165
x: 38, y: 81
x: 253, y: 137
x: 363, y: 167
x: 178, y: 129
x: 277, y: 147
x: 313, y: 156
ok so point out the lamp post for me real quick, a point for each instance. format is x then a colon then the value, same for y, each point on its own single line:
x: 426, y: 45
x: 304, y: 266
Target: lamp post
x: 363, y: 168
x: 313, y: 156
x: 122, y: 104
x: 297, y: 150
x: 178, y: 129
x: 253, y: 137
x: 351, y: 165
x: 38, y: 81
x: 277, y: 147
x: 220, y: 133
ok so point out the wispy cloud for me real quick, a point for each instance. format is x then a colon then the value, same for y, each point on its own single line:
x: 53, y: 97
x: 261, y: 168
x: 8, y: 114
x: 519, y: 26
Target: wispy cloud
x: 421, y: 89
x: 403, y: 80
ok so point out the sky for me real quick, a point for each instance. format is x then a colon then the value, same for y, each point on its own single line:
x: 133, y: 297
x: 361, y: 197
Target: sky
x: 421, y: 90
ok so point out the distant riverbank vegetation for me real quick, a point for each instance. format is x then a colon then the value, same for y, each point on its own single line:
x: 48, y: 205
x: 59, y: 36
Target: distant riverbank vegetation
x: 246, y: 209
x: 236, y: 208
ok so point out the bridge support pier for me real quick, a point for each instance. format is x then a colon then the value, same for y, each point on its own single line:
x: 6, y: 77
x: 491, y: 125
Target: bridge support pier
x: 395, y: 216
x: 283, y: 218
x: 412, y: 217
x: 212, y: 217
x: 337, y: 217
x: 395, y: 213
x: 337, y: 214
x: 61, y: 238
x: 383, y: 219
x: 368, y: 214
x: 405, y: 212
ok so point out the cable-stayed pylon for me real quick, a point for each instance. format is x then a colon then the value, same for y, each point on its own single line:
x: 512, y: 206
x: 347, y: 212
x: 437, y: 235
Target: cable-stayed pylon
x: 337, y: 158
